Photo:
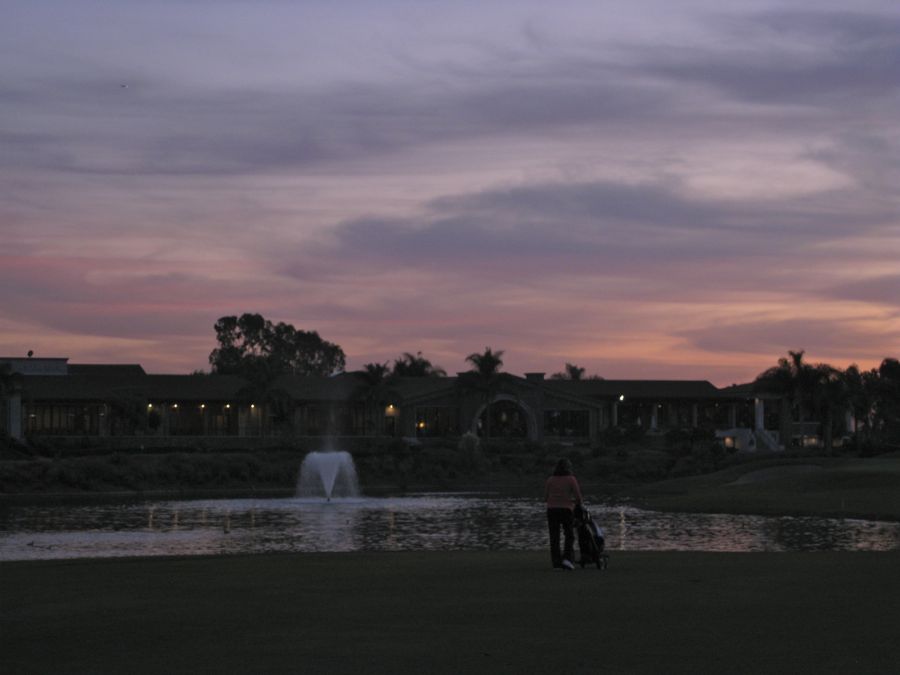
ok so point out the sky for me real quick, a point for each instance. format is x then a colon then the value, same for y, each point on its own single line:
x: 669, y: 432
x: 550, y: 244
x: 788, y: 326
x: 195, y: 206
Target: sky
x: 647, y: 189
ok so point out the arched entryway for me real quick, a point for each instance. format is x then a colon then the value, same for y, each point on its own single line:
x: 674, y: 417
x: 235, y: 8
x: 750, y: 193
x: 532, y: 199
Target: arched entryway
x: 510, y: 418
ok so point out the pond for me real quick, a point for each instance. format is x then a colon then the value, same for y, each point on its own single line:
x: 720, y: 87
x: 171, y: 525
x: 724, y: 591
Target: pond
x: 426, y: 521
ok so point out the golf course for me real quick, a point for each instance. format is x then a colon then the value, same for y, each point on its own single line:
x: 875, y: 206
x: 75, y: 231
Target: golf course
x: 486, y: 611
x: 460, y: 612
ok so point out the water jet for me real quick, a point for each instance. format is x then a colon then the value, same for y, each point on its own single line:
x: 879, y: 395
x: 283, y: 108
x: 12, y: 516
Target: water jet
x: 328, y: 474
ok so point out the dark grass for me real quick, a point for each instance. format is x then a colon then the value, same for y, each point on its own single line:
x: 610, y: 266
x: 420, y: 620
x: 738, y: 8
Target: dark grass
x: 463, y: 612
x: 858, y: 488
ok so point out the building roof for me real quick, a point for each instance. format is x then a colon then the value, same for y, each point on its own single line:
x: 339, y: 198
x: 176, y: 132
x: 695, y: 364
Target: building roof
x: 411, y: 388
x: 106, y: 369
x: 346, y: 386
x: 195, y: 387
x: 746, y: 390
x: 27, y: 365
x: 151, y: 387
x: 645, y: 389
x: 66, y: 388
x: 340, y: 387
x: 99, y: 382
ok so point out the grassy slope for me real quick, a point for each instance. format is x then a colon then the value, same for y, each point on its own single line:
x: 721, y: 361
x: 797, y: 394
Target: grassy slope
x: 453, y: 613
x: 862, y: 488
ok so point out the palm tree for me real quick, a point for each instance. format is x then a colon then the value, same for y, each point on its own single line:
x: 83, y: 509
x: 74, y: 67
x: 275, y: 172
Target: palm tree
x: 830, y: 399
x: 887, y: 403
x: 793, y: 380
x: 571, y: 372
x: 416, y: 365
x: 376, y: 390
x: 860, y: 399
x: 486, y: 374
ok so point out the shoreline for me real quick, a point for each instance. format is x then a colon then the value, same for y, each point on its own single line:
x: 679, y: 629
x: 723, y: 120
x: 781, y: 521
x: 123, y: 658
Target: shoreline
x: 855, y: 488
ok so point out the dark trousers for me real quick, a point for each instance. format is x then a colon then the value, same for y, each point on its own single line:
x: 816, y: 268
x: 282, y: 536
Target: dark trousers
x: 556, y: 519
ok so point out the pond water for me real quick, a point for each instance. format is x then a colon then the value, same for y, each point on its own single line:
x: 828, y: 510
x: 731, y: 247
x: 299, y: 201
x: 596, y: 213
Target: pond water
x: 434, y: 522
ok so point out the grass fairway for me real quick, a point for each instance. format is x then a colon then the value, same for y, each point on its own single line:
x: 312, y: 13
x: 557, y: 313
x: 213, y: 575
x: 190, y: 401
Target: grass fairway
x: 835, y: 487
x: 464, y: 612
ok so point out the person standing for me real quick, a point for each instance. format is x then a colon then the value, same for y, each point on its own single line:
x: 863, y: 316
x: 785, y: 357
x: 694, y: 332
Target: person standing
x: 562, y: 493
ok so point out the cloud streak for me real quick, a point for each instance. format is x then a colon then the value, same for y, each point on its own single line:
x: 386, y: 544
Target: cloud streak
x: 688, y: 197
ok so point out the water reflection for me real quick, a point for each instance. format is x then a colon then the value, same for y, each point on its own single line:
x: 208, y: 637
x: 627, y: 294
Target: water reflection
x: 416, y: 522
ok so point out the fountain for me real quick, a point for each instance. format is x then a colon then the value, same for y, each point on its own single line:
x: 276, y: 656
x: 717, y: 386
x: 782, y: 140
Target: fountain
x: 328, y: 474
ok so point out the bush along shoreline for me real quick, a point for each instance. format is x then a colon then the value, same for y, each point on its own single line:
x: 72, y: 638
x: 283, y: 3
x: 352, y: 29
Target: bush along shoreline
x: 677, y: 472
x: 381, y: 464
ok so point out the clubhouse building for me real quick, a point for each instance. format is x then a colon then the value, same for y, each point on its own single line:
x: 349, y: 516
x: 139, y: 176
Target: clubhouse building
x: 123, y: 406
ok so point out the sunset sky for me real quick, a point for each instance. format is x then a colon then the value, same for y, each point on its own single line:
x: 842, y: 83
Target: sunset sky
x: 648, y: 189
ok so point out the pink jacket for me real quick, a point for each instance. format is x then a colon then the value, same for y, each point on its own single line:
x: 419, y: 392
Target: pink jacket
x: 562, y: 492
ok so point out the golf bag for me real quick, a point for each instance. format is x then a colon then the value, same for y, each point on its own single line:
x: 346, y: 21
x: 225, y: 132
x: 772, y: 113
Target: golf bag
x: 591, y: 539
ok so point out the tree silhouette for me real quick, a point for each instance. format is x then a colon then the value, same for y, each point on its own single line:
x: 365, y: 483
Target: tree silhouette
x: 860, y: 400
x: 887, y: 404
x: 260, y: 351
x: 485, y: 376
x: 830, y: 398
x: 376, y: 391
x: 793, y: 380
x: 571, y: 372
x: 816, y: 390
x: 416, y: 365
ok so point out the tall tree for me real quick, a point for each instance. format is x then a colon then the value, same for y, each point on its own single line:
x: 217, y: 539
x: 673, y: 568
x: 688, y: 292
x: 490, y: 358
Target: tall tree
x: 259, y: 350
x: 860, y: 400
x: 816, y: 391
x: 416, y: 365
x: 793, y: 380
x: 830, y: 398
x: 571, y: 372
x: 887, y: 404
x: 376, y: 392
x: 485, y: 375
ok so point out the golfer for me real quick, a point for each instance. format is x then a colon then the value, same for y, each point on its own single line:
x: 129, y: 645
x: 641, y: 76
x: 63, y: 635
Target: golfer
x: 562, y: 493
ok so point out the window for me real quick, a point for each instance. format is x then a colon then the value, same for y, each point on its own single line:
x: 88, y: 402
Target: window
x: 434, y: 421
x: 63, y: 420
x: 337, y: 420
x: 567, y: 423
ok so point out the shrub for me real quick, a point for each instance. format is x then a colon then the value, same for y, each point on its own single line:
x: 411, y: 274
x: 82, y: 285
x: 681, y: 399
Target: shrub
x: 599, y: 467
x: 470, y: 453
